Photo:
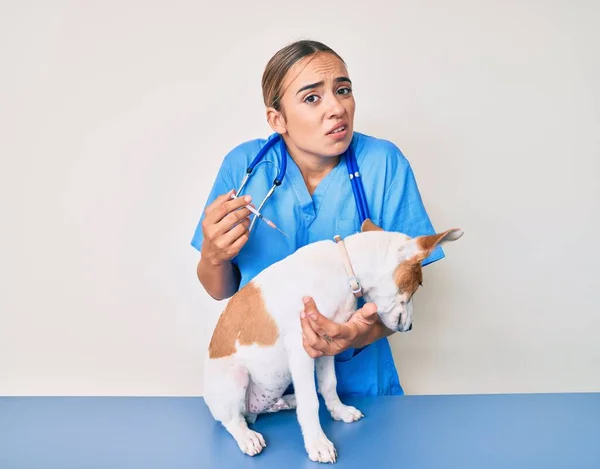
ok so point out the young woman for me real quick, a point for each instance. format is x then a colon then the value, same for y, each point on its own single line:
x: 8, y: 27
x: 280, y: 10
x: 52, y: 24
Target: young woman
x: 310, y: 107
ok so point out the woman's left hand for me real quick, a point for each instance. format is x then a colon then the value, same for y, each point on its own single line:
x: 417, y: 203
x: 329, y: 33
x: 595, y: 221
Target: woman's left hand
x: 321, y: 336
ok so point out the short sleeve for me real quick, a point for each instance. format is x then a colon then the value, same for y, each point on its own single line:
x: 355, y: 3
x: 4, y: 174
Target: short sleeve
x: 222, y: 184
x: 403, y: 208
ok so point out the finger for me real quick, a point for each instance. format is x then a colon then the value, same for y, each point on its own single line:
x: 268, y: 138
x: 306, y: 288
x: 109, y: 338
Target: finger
x: 329, y: 331
x: 246, y: 223
x: 312, y: 352
x: 226, y: 240
x: 238, y: 244
x: 231, y: 220
x: 307, y: 331
x: 231, y: 207
x: 309, y: 304
x: 312, y: 315
x: 323, y: 326
x: 310, y: 307
x: 218, y: 201
x: 223, y: 209
x: 310, y: 336
x: 332, y: 340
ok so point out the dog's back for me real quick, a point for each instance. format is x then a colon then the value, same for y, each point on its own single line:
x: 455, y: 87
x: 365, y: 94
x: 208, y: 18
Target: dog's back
x: 271, y: 302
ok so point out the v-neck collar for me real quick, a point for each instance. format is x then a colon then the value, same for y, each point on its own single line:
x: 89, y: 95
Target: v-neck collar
x: 310, y: 204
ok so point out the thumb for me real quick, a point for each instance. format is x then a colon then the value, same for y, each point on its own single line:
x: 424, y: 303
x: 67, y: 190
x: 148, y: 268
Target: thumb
x: 369, y: 311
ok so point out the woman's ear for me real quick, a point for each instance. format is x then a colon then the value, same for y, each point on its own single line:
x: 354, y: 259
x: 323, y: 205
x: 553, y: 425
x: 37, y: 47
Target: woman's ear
x: 276, y: 120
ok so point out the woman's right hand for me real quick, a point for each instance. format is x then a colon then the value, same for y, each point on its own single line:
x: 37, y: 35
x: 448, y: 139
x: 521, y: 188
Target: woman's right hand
x: 225, y: 228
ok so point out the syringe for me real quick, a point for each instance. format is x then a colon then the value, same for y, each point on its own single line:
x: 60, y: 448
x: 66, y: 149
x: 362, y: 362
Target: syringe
x: 261, y: 216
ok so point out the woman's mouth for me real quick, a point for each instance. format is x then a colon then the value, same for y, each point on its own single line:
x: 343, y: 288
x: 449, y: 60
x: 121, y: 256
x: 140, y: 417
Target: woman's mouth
x: 338, y: 132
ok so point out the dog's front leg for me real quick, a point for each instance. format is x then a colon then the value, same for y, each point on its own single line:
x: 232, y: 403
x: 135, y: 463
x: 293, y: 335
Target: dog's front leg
x: 327, y: 382
x: 317, y: 445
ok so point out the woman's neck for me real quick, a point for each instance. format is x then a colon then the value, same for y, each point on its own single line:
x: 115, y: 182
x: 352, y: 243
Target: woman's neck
x: 312, y: 167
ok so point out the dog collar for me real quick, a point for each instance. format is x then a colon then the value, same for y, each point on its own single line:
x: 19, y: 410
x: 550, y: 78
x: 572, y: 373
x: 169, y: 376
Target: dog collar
x: 352, y: 279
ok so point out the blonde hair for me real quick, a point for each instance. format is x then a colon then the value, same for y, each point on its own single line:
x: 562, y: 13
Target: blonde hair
x: 279, y: 65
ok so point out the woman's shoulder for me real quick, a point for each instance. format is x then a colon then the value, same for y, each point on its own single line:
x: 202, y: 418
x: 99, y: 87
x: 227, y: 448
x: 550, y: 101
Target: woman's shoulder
x: 381, y: 149
x: 243, y: 153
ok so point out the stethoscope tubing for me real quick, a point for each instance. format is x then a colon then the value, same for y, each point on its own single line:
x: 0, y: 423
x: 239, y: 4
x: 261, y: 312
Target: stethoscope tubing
x: 351, y: 165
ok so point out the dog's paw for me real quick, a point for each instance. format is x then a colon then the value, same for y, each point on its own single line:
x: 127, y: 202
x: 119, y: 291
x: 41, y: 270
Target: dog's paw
x: 321, y: 449
x: 346, y: 413
x: 251, y: 442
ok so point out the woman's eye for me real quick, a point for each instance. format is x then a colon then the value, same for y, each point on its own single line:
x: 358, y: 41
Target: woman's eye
x: 311, y: 98
x: 344, y: 90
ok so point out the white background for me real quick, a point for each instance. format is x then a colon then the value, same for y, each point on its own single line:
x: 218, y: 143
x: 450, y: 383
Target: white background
x: 114, y: 118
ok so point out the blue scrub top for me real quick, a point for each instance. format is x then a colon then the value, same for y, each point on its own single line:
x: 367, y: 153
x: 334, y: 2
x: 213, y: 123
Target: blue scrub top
x: 394, y: 203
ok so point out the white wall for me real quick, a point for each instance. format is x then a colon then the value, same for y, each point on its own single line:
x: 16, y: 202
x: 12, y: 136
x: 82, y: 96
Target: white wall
x: 114, y: 118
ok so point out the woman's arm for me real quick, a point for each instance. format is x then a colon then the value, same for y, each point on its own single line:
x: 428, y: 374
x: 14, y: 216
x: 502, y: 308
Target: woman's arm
x: 225, y: 231
x: 219, y: 280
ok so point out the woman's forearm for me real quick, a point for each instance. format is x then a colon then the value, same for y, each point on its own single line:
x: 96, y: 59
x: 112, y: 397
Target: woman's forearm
x: 220, y: 281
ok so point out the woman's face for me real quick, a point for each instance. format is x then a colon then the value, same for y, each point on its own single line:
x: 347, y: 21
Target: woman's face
x: 317, y: 108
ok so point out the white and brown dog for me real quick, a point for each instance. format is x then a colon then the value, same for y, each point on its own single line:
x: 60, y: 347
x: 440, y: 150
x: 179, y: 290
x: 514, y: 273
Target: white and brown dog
x: 256, y: 349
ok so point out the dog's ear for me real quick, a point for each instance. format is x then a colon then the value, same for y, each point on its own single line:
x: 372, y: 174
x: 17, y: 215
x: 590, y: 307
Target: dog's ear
x: 368, y: 225
x: 420, y: 247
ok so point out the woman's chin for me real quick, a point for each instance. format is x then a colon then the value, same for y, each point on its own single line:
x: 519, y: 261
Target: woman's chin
x: 337, y: 147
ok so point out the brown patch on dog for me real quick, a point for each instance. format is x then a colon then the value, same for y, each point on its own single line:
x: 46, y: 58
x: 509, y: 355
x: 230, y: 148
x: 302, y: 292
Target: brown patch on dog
x: 245, y: 319
x: 409, y: 274
x: 368, y: 225
x: 408, y: 277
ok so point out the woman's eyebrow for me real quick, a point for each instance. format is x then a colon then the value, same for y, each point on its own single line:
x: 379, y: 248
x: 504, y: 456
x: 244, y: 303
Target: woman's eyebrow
x: 321, y: 83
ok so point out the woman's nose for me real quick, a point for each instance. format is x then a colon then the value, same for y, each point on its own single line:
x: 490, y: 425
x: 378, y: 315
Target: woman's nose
x: 335, y: 108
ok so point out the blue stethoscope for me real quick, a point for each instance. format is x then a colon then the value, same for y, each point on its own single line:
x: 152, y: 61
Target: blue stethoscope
x: 355, y: 180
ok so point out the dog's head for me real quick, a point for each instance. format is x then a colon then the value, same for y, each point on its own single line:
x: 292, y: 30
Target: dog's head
x: 394, y: 289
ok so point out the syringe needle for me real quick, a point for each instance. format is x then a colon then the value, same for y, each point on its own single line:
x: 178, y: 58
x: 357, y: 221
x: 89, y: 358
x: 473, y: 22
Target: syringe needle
x: 272, y: 225
x: 262, y: 217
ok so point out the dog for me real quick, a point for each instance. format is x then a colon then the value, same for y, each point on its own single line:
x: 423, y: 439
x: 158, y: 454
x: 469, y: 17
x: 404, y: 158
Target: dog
x: 256, y: 348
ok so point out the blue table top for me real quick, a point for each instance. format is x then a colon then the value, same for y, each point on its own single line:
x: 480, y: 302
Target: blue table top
x: 413, y: 432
